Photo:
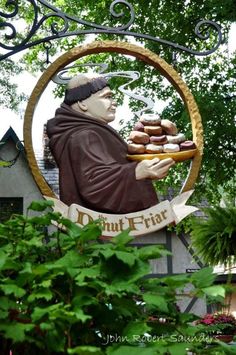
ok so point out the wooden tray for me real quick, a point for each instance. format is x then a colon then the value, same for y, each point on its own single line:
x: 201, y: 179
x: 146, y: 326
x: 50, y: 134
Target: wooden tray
x: 179, y: 156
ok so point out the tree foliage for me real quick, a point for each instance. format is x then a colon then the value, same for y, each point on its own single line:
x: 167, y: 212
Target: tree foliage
x: 64, y: 291
x: 9, y: 95
x: 212, y: 79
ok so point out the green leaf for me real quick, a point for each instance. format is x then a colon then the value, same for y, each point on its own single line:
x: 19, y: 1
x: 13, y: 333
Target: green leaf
x: 55, y: 341
x: 176, y: 280
x: 127, y: 258
x: 6, y: 303
x: 131, y: 350
x: 85, y: 350
x: 80, y: 315
x: 91, y: 232
x: 3, y: 258
x: 214, y: 291
x: 46, y: 326
x: 83, y: 298
x: 13, y: 289
x: 46, y: 283
x: 72, y: 229
x: 179, y: 348
x: 107, y: 253
x: 27, y: 269
x: 123, y: 238
x: 40, y: 205
x: 43, y: 220
x: 91, y: 273
x: 152, y: 252
x: 120, y: 287
x: 38, y: 312
x: 71, y: 259
x: 41, y: 293
x: 16, y: 331
x: 11, y: 264
x: 135, y: 328
x: 41, y: 270
x: 203, y: 278
x: 33, y: 242
x: 156, y: 300
x: 3, y: 314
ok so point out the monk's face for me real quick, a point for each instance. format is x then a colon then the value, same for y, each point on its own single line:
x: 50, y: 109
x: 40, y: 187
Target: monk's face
x: 101, y: 106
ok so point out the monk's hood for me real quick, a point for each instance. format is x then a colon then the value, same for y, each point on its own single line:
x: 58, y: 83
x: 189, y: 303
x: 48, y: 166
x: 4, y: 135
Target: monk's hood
x: 66, y: 122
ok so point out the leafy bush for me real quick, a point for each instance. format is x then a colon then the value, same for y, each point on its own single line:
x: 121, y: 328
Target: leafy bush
x: 64, y: 291
x: 214, y: 238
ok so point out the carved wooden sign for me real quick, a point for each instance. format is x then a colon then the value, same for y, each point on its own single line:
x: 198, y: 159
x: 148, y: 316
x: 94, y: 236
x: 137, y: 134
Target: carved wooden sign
x: 143, y: 221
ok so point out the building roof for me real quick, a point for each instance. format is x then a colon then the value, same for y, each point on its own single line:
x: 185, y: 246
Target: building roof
x: 11, y: 134
x: 50, y: 174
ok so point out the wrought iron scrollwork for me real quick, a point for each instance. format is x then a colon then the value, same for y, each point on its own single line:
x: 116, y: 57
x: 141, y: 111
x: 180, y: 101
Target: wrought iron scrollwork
x: 57, y: 31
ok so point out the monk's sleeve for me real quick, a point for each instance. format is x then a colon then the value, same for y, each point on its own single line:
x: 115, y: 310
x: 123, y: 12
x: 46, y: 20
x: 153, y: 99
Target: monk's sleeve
x: 105, y: 183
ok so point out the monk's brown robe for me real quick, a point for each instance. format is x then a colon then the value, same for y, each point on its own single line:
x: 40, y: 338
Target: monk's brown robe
x: 93, y: 169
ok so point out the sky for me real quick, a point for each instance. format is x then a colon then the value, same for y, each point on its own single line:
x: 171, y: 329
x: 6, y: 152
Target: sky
x: 48, y: 104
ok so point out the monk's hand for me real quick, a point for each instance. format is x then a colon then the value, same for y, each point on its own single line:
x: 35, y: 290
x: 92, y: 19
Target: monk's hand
x: 154, y: 169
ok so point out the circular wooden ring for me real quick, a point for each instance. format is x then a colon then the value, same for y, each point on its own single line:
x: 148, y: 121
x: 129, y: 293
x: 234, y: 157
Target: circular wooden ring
x: 125, y: 48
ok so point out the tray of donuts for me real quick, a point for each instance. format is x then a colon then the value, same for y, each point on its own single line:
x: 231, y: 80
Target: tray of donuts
x: 154, y: 137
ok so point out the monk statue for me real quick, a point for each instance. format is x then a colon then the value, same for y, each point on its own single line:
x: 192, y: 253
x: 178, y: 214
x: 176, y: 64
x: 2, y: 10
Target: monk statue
x: 93, y: 169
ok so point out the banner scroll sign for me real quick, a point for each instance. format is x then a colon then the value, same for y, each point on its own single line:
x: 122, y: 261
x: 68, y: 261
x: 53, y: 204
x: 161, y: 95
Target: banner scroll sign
x: 146, y: 221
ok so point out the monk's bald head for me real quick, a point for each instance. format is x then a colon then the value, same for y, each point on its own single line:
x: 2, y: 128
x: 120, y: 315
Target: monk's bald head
x: 81, y: 79
x: 83, y: 86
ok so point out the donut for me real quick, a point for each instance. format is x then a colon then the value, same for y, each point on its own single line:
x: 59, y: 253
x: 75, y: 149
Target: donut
x: 171, y: 148
x: 169, y: 127
x: 153, y: 130
x: 176, y: 139
x: 158, y: 139
x: 150, y: 119
x: 139, y: 137
x: 187, y: 145
x: 138, y: 127
x: 134, y: 148
x: 154, y: 149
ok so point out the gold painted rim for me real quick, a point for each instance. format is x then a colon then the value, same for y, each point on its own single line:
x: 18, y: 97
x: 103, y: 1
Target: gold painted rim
x: 124, y: 48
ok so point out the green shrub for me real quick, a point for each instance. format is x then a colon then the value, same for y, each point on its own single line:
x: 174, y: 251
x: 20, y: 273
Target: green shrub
x: 214, y: 238
x: 64, y: 291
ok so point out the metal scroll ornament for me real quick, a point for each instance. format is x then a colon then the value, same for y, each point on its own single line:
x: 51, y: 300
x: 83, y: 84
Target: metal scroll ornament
x: 59, y: 26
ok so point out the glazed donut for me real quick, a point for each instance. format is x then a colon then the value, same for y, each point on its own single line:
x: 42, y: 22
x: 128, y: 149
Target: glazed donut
x: 154, y: 149
x: 171, y: 148
x: 153, y: 130
x: 158, y: 139
x: 150, y: 119
x: 136, y: 148
x: 169, y: 127
x: 176, y: 139
x: 138, y: 127
x: 139, y: 137
x: 187, y: 145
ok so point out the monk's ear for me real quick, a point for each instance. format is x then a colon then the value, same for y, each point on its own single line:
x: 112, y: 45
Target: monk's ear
x: 82, y: 106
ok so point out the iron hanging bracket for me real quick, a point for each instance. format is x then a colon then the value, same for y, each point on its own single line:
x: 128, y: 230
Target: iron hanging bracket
x: 32, y: 37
